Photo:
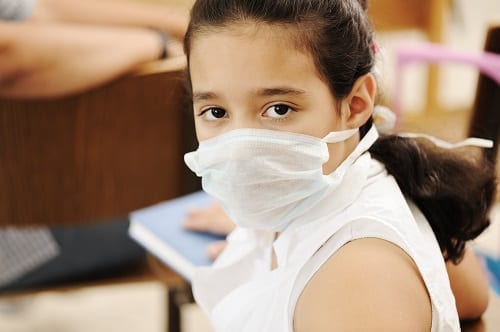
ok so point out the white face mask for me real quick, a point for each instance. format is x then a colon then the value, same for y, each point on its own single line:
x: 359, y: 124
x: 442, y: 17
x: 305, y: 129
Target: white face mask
x: 264, y: 179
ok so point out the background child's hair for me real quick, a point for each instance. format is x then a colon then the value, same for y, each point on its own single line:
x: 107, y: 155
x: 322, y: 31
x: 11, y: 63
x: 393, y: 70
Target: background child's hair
x: 453, y: 191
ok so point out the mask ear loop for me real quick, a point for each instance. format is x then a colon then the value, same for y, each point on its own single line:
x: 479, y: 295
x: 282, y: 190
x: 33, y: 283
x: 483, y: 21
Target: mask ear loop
x: 364, y: 145
x: 339, y: 136
x: 335, y: 137
x: 385, y: 122
x: 471, y: 141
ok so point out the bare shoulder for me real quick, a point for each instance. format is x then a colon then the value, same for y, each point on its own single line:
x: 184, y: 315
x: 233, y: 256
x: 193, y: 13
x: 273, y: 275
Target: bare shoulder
x: 368, y: 284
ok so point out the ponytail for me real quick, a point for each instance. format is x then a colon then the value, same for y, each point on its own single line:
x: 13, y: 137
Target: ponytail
x: 454, y: 191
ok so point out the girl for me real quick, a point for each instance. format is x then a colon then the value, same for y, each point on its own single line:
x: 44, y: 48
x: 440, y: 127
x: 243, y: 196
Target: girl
x: 339, y: 229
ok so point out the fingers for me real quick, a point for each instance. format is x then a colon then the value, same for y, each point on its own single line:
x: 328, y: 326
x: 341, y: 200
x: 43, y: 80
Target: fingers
x: 214, y: 249
x: 174, y: 48
x: 210, y: 219
x: 197, y: 220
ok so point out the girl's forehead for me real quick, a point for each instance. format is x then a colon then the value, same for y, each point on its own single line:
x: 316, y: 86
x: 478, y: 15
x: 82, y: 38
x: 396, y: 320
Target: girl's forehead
x: 248, y: 57
x: 247, y: 47
x: 248, y: 40
x: 285, y: 35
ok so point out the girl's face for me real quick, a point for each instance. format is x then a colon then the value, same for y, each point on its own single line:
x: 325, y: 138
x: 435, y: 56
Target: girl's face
x: 253, y: 76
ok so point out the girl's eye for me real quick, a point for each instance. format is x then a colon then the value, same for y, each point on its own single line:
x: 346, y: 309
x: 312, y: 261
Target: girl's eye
x: 278, y: 111
x: 213, y: 113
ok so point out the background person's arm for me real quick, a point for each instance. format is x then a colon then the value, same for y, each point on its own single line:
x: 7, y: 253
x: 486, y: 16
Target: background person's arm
x: 171, y: 19
x: 48, y: 60
x: 469, y: 285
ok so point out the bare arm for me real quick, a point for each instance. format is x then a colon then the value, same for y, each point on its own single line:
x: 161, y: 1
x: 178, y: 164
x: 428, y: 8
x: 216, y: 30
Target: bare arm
x: 367, y: 285
x: 469, y: 285
x: 47, y: 60
x: 125, y: 13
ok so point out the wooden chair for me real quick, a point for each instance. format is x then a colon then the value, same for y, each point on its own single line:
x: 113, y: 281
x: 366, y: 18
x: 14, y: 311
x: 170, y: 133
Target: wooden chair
x: 98, y: 155
x: 484, y: 121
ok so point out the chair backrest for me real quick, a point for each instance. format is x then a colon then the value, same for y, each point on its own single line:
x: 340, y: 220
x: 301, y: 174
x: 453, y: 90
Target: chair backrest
x: 485, y: 119
x: 99, y: 154
x: 488, y: 63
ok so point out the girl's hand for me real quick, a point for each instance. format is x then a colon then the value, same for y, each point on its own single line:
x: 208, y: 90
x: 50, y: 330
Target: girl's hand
x: 211, y: 219
x: 214, y: 249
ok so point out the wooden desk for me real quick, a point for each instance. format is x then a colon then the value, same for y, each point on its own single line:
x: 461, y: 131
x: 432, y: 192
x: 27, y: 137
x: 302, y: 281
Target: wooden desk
x: 178, y: 292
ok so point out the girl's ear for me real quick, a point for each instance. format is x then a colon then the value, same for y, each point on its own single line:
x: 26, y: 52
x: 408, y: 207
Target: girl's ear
x: 360, y: 101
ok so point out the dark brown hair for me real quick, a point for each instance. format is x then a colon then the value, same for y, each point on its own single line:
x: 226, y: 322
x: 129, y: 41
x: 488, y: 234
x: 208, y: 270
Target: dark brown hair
x: 454, y: 192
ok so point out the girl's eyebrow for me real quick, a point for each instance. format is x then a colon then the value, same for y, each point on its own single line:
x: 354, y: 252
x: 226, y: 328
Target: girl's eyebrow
x: 279, y: 91
x: 264, y: 92
x: 202, y: 96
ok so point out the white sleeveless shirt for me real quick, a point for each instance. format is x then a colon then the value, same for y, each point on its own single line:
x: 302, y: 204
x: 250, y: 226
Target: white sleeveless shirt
x: 241, y: 293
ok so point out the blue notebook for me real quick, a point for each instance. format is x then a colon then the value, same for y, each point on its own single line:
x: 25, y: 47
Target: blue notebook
x: 492, y: 266
x: 487, y: 247
x: 158, y: 229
